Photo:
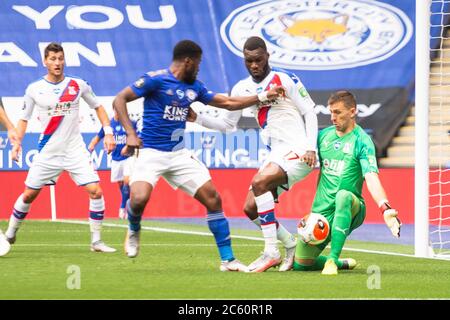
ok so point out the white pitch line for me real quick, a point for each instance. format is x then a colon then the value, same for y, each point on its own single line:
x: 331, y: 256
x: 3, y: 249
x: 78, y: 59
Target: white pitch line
x: 198, y: 233
x: 120, y: 244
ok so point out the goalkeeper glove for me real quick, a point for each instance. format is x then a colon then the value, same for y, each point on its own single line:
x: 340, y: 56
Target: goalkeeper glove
x: 391, y: 219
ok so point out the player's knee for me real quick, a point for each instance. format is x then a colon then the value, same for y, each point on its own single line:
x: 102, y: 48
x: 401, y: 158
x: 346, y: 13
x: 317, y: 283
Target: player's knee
x: 303, y: 264
x: 251, y: 211
x: 343, y: 199
x: 28, y: 197
x: 96, y: 194
x: 213, y: 201
x: 259, y: 185
x: 138, y: 201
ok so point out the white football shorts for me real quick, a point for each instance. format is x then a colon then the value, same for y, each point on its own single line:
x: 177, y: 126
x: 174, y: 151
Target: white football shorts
x: 129, y: 165
x: 117, y: 170
x: 181, y: 169
x: 289, y: 161
x: 46, y: 168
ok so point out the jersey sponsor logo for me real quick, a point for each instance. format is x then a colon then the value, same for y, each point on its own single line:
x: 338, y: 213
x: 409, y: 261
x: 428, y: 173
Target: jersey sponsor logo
x: 120, y: 138
x: 60, y: 109
x: 174, y: 113
x: 320, y: 35
x: 333, y: 166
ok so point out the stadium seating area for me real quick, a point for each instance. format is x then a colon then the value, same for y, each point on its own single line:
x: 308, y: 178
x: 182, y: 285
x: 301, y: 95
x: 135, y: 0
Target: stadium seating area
x: 401, y: 151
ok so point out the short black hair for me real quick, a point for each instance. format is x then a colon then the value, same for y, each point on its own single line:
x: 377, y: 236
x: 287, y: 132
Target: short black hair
x: 344, y: 96
x: 53, y: 47
x: 254, y: 43
x: 186, y: 49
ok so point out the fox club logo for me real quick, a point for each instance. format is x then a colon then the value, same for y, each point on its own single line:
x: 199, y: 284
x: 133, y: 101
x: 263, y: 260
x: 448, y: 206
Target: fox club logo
x: 320, y: 35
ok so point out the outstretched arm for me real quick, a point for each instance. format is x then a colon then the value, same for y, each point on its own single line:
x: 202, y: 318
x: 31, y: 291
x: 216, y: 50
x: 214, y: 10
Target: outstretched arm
x: 379, y: 195
x: 238, y: 103
x: 225, y: 123
x: 120, y: 105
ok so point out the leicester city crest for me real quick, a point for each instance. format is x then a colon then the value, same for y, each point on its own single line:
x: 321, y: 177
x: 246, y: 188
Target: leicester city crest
x: 320, y: 35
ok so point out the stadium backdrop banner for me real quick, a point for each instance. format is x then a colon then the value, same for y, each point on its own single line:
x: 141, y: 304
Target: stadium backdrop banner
x: 364, y: 46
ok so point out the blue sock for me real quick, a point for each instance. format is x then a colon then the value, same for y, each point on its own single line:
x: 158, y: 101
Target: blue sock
x: 219, y: 227
x: 125, y: 191
x: 134, y: 220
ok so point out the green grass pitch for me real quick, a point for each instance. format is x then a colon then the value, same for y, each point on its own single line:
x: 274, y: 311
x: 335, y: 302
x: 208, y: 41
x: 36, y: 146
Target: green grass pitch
x: 186, y: 266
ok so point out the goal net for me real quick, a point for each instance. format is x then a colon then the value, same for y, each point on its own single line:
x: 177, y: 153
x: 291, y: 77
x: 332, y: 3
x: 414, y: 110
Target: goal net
x: 439, y: 123
x: 438, y: 127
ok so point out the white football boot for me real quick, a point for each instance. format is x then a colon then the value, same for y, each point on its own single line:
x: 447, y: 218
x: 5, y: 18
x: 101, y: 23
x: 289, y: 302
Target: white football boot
x: 234, y: 265
x: 288, y: 261
x: 132, y: 243
x: 5, y: 246
x: 100, y: 246
x: 265, y: 261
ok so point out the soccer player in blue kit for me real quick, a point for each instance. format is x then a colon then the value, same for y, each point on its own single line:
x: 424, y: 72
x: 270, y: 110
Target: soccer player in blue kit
x: 160, y: 150
x: 121, y: 165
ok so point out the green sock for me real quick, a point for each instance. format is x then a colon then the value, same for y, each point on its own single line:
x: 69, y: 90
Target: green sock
x: 341, y: 223
x: 318, y: 264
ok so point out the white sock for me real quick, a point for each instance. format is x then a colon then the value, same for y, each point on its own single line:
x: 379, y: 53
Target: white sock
x: 14, y: 223
x: 96, y: 208
x: 270, y: 239
x: 266, y: 203
x: 96, y: 228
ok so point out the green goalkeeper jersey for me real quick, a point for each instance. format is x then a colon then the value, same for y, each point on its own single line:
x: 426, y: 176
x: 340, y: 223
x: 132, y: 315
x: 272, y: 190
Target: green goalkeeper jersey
x: 344, y: 161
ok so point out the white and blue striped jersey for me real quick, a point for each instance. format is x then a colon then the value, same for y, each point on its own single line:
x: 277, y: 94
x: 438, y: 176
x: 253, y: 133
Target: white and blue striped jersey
x: 58, y: 111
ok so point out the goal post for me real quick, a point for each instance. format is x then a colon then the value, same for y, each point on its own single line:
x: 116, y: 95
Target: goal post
x: 432, y: 130
x: 421, y: 178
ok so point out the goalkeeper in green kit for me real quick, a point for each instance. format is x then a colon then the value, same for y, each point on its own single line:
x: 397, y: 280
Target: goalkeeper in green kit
x: 347, y: 158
